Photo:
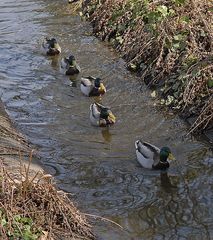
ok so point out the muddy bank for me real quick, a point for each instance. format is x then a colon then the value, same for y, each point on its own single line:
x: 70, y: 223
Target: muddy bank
x: 169, y: 45
x: 31, y: 207
x: 13, y: 144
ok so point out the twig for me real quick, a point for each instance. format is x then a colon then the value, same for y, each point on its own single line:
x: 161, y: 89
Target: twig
x: 104, y: 219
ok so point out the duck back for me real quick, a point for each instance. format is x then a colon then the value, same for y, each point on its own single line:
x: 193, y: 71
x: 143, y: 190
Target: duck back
x: 86, y: 86
x: 94, y: 114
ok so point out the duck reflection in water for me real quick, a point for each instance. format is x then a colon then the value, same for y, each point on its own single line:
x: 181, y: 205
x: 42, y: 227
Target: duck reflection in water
x: 166, y: 182
x: 106, y: 135
x: 98, y: 99
x: 73, y: 80
x: 54, y: 62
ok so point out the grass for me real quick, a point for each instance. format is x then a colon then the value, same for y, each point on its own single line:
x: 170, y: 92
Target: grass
x: 169, y: 44
x: 32, y: 208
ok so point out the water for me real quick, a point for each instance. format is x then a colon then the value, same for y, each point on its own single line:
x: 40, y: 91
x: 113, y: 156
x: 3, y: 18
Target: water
x: 97, y: 165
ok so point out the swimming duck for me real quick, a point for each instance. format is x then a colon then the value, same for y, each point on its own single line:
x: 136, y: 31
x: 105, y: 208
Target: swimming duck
x: 101, y: 116
x: 91, y: 86
x: 70, y: 66
x: 150, y: 156
x: 51, y: 47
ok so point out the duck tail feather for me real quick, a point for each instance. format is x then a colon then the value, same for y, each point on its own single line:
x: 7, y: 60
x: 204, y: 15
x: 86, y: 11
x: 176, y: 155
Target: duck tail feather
x: 90, y: 107
x: 91, y: 78
x: 136, y: 144
x: 100, y: 105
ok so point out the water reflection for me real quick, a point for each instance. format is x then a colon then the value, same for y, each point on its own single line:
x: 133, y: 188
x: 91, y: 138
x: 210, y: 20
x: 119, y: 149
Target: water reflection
x: 73, y: 80
x: 97, y: 99
x: 166, y: 182
x: 107, y: 135
x: 54, y: 62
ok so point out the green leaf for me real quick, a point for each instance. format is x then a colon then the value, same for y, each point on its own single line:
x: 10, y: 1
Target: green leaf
x: 121, y: 27
x: 3, y: 222
x: 176, y: 46
x: 195, y: 73
x: 17, y: 218
x: 163, y: 10
x: 26, y: 220
x: 185, y: 19
x: 132, y: 66
x: 202, y: 33
x: 210, y: 83
x: 27, y: 228
x: 162, y: 101
x: 179, y: 2
x: 154, y: 94
x: 9, y: 233
x: 182, y: 45
x: 211, y: 9
x: 153, y: 17
x: 169, y: 100
x: 120, y: 39
x: 171, y: 12
x: 179, y: 37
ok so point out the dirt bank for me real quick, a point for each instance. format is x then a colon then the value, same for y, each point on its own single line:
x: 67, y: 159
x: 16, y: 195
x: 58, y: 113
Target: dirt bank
x: 12, y: 144
x: 169, y: 45
x: 31, y: 207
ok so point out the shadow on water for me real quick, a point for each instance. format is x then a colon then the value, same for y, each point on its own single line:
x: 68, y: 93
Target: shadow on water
x: 98, y: 165
x: 166, y: 182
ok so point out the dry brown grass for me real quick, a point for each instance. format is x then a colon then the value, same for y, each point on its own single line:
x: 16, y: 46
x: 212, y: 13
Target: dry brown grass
x: 38, y: 206
x: 175, y: 52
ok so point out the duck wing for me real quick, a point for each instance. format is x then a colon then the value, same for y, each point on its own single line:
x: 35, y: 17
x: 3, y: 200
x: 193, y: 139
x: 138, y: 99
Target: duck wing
x: 100, y: 106
x: 86, y: 82
x: 78, y: 68
x: 91, y: 78
x: 94, y: 111
x: 148, y: 150
x: 65, y: 63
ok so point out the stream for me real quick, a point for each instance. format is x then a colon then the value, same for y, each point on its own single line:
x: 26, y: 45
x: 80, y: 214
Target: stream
x: 98, y: 166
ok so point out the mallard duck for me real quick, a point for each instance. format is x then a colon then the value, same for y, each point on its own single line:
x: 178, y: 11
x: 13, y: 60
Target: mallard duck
x: 150, y: 156
x: 91, y: 86
x: 51, y: 47
x: 69, y: 66
x: 101, y: 116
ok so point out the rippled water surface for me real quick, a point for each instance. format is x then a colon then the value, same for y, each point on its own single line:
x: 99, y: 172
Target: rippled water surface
x: 97, y: 165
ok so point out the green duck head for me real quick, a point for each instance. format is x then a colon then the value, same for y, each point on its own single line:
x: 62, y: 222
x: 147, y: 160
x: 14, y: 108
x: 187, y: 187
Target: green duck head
x: 71, y: 60
x: 165, y: 153
x: 52, y: 42
x: 104, y: 113
x: 97, y: 82
x: 107, y: 115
